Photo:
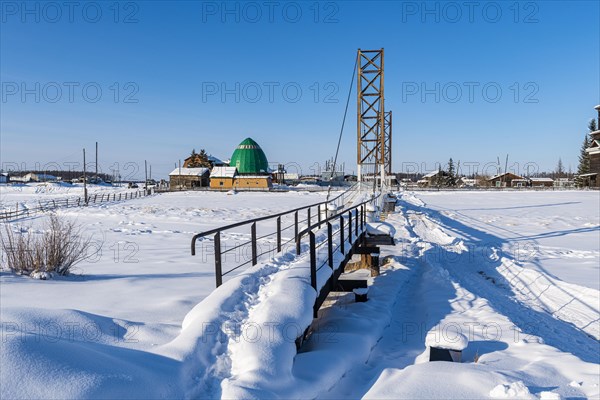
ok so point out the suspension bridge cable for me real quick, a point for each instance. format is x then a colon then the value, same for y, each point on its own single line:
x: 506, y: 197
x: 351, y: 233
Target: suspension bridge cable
x: 337, y: 150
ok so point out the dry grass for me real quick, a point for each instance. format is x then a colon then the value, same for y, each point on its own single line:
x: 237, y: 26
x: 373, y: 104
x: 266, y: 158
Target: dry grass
x: 56, y: 250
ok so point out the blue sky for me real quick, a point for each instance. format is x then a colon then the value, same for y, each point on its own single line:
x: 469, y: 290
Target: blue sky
x: 161, y: 68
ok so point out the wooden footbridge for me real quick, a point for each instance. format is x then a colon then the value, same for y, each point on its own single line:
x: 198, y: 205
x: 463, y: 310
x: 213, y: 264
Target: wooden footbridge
x: 332, y: 231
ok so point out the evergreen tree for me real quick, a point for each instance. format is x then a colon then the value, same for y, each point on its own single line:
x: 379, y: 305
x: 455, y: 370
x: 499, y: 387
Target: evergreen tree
x: 560, y: 169
x: 193, y: 160
x: 584, y: 157
x: 451, y: 179
x: 584, y: 160
x: 199, y: 160
x: 203, y: 159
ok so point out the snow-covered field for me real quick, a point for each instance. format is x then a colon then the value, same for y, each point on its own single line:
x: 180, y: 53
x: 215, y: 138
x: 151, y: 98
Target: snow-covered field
x: 515, y: 272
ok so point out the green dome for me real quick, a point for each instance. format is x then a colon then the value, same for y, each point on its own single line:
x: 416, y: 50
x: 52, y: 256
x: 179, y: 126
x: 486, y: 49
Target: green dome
x: 249, y: 158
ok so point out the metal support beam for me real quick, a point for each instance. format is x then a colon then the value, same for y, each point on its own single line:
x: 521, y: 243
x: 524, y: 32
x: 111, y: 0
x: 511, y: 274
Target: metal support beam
x: 387, y: 135
x: 371, y: 155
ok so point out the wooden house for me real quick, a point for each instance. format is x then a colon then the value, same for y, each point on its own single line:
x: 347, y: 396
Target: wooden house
x: 433, y: 179
x: 223, y: 177
x: 564, y: 183
x: 541, y: 182
x: 463, y: 182
x: 506, y: 180
x: 592, y: 178
x: 188, y: 178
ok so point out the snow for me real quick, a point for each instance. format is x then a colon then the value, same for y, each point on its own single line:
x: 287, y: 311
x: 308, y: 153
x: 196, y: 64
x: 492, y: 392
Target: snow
x: 514, y: 274
x: 550, y: 396
x: 441, y: 339
x: 514, y: 390
x: 502, y: 174
x: 555, y: 233
x: 438, y: 380
x: 188, y: 171
x: 431, y: 174
x: 30, y: 195
x: 541, y: 179
x: 380, y: 228
x: 141, y: 284
x: 223, y: 172
x: 332, y: 207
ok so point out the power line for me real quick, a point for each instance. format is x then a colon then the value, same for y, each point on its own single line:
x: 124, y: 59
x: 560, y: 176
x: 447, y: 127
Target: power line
x: 337, y: 150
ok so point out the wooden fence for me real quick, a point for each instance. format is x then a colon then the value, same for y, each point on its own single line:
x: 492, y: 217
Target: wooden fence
x: 48, y: 205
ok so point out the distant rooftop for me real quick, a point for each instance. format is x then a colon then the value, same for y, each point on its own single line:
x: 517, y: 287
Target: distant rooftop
x: 183, y: 171
x: 223, y: 172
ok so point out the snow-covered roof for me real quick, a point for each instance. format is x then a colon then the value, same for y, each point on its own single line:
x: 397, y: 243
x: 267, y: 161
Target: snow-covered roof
x: 215, y: 160
x: 542, y: 180
x: 594, y: 147
x: 431, y: 174
x: 188, y: 171
x: 223, y: 172
x: 505, y: 173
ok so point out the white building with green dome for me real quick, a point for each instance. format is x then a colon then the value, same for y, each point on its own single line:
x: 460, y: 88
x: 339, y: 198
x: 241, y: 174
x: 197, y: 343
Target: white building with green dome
x: 248, y: 169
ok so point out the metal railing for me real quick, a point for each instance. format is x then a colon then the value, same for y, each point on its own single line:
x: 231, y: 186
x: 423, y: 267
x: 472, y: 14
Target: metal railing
x: 25, y: 211
x: 356, y: 223
x: 289, y: 227
x: 492, y: 189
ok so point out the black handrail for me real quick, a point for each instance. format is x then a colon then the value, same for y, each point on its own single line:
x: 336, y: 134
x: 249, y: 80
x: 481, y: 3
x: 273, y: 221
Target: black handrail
x: 218, y: 254
x: 319, y: 223
x: 259, y: 219
x: 353, y: 233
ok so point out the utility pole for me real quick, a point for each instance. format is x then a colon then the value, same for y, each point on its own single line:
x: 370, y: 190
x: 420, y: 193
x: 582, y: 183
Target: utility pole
x: 85, y: 196
x: 146, y: 173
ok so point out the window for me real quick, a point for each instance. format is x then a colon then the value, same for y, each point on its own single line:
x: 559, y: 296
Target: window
x: 221, y: 183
